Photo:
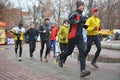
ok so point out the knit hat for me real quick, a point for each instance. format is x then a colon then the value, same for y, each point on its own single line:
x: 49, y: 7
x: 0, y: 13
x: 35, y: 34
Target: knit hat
x: 64, y: 21
x: 52, y: 22
x: 20, y: 24
x: 79, y: 3
x: 47, y: 19
x: 93, y: 10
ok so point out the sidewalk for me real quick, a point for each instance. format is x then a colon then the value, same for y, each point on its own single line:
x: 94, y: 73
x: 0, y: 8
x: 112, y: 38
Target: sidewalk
x: 12, y: 69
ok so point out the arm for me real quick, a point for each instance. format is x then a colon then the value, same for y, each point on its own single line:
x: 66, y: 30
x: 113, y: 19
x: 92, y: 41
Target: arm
x: 13, y: 31
x: 72, y: 18
x: 60, y: 32
x: 41, y: 30
x: 88, y: 24
x: 37, y: 33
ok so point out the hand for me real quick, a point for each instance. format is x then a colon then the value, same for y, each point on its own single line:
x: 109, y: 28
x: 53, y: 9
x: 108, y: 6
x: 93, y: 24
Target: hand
x: 85, y: 26
x: 63, y: 38
x: 50, y: 32
x: 96, y: 28
x: 44, y: 31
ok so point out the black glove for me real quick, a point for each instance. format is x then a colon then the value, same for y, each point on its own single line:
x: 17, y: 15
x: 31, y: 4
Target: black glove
x: 85, y: 26
x: 63, y: 38
x: 19, y: 33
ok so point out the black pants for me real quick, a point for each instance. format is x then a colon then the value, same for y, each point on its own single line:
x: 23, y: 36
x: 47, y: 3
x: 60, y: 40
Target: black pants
x: 63, y: 48
x: 32, y: 45
x: 96, y: 40
x: 18, y: 43
x: 78, y: 41
x: 43, y: 42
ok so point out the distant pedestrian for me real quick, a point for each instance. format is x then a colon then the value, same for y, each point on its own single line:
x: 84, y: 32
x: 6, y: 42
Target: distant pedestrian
x: 93, y: 29
x: 32, y: 35
x: 75, y: 37
x: 54, y: 31
x: 45, y: 31
x: 63, y: 37
x: 18, y: 33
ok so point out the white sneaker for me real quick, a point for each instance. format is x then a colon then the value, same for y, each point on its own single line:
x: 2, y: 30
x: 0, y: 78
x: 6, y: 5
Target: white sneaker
x: 20, y: 59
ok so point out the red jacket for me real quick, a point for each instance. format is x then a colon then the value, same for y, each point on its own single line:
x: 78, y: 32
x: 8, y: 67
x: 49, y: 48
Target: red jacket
x: 54, y: 32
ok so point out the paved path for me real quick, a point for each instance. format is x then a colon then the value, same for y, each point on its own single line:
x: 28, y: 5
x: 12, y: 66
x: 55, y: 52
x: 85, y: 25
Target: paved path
x: 12, y: 69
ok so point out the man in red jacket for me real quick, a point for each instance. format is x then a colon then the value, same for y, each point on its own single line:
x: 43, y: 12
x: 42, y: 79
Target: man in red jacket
x: 53, y: 35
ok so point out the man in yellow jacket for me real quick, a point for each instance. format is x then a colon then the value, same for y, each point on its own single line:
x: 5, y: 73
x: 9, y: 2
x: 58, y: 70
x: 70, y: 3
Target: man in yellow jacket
x: 18, y: 33
x: 93, y: 29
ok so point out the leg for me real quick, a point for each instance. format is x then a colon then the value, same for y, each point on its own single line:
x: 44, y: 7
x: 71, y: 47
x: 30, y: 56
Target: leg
x: 16, y: 46
x: 42, y: 48
x: 81, y: 48
x: 62, y: 57
x: 20, y: 46
x: 71, y: 45
x: 63, y: 48
x: 47, y: 49
x: 54, y: 47
x: 31, y: 48
x: 20, y: 49
x: 98, y: 45
x: 89, y: 44
x: 34, y: 45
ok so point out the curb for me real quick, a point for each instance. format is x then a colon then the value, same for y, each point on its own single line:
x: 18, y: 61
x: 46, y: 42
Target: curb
x: 104, y: 59
x: 111, y: 45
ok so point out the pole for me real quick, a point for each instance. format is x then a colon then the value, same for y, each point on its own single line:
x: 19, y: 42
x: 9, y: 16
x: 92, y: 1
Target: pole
x: 21, y: 20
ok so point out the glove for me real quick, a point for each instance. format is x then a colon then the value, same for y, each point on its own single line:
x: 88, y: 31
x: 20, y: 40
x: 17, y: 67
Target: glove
x: 97, y: 28
x: 85, y: 26
x: 63, y: 38
x: 19, y: 33
x: 35, y: 38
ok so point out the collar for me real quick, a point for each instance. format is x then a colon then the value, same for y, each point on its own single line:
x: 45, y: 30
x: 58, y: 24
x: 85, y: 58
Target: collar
x: 79, y: 11
x: 94, y: 16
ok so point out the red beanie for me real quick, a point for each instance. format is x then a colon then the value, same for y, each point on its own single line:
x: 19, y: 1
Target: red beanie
x: 94, y: 10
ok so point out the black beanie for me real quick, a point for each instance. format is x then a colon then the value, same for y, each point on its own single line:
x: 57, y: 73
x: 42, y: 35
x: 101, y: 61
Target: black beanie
x: 79, y: 3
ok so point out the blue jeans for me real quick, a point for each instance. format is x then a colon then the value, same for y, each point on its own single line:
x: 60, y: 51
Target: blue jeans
x: 53, y: 43
x: 96, y: 40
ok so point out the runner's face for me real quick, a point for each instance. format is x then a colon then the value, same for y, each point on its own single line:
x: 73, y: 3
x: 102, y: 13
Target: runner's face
x: 81, y: 8
x: 33, y: 26
x: 47, y: 22
x: 96, y: 14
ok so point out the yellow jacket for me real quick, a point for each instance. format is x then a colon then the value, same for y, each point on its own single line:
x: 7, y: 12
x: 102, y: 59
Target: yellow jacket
x: 93, y: 22
x: 63, y: 34
x: 17, y: 31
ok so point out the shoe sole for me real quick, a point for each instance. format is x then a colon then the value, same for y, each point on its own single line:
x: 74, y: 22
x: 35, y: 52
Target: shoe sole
x: 94, y: 65
x: 87, y: 74
x: 60, y: 63
x: 20, y: 60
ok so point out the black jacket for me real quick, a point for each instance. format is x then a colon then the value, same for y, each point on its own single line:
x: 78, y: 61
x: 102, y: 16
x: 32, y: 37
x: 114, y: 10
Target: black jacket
x: 31, y: 34
x: 76, y: 18
x: 44, y: 36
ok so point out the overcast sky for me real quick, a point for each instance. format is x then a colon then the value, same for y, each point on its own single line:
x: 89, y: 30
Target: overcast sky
x: 23, y: 3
